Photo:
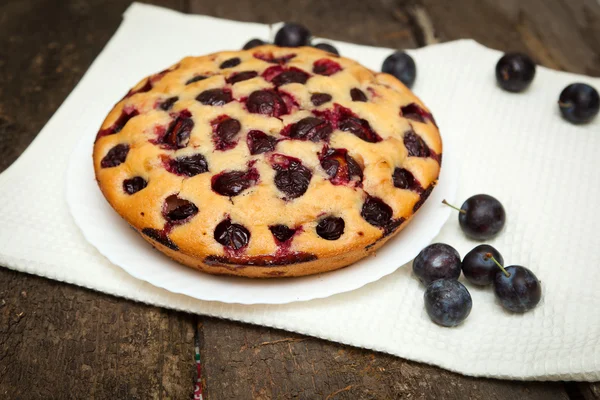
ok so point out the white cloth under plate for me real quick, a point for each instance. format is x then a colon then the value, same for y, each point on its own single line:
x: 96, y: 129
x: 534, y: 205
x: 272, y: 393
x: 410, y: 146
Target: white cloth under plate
x: 513, y: 146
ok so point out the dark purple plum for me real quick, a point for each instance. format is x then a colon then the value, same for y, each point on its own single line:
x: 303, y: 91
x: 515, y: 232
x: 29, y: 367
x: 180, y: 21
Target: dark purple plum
x: 281, y: 232
x: 515, y: 72
x: 232, y: 62
x: 376, y: 212
x: 437, y: 261
x: 241, y: 76
x: 292, y: 35
x: 178, y: 133
x: 402, y: 66
x: 233, y: 236
x: 177, y: 210
x: 327, y: 47
x: 215, y: 97
x: 253, y: 43
x: 134, y: 185
x: 404, y: 179
x: 188, y: 165
x: 292, y: 178
x: 579, y: 103
x: 517, y: 289
x: 479, y: 267
x: 447, y: 302
x: 259, y: 142
x: 115, y: 156
x: 310, y: 128
x: 358, y: 95
x: 232, y: 183
x: 415, y: 145
x: 331, y: 228
x: 266, y: 102
x: 481, y: 216
x: 320, y: 98
x: 167, y: 104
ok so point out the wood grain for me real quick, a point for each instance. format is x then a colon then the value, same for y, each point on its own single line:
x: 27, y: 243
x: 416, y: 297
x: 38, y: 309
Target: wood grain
x: 250, y: 362
x: 60, y: 341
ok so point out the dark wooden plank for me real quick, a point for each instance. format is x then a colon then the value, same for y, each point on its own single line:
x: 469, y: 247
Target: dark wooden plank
x: 59, y: 341
x: 45, y: 48
x: 264, y: 363
x: 115, y: 348
x: 376, y: 22
x: 560, y: 34
x: 585, y: 391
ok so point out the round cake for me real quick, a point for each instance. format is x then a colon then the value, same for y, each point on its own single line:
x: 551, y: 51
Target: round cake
x: 269, y: 162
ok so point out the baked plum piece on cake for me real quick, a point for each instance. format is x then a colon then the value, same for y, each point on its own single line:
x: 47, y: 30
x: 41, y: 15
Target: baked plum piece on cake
x: 268, y: 162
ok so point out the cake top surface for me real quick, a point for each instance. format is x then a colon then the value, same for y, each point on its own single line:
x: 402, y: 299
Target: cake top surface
x: 265, y: 152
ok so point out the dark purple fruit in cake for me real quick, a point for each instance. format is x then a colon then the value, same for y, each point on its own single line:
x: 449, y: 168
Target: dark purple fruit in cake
x: 376, y: 212
x: 134, y: 185
x: 331, y: 228
x: 404, y: 179
x: 320, y: 98
x: 481, y: 217
x: 188, y: 165
x: 241, y: 76
x: 196, y: 78
x: 259, y: 142
x: 309, y: 128
x: 281, y: 232
x: 579, y: 103
x: 178, y: 132
x: 479, y: 266
x: 233, y: 236
x: 359, y: 127
x: 447, y: 302
x: 253, y: 43
x: 402, y: 66
x: 232, y: 62
x: 326, y: 67
x: 416, y: 113
x: 270, y: 58
x: 115, y: 156
x: 515, y: 72
x: 327, y: 47
x: 119, y: 124
x: 215, y: 97
x: 167, y: 104
x: 178, y: 210
x: 292, y: 178
x: 232, y: 183
x: 415, y: 145
x: 423, y: 196
x: 517, y: 289
x: 358, y: 95
x: 292, y: 35
x: 340, y: 166
x: 225, y: 130
x: 292, y: 75
x: 437, y: 261
x: 266, y: 102
x: 160, y: 237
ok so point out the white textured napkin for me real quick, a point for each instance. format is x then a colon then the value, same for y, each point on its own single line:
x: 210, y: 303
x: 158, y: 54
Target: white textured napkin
x: 513, y: 146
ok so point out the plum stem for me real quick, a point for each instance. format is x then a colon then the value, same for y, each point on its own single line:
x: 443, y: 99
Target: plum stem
x: 460, y: 210
x: 490, y: 255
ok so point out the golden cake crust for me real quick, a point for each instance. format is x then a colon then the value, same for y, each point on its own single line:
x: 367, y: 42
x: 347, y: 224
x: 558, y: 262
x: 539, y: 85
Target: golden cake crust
x: 327, y: 184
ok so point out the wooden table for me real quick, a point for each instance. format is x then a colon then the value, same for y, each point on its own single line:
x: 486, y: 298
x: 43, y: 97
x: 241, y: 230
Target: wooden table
x: 61, y: 341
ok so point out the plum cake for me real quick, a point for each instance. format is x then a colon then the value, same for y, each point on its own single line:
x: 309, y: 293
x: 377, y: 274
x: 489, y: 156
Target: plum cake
x: 268, y: 162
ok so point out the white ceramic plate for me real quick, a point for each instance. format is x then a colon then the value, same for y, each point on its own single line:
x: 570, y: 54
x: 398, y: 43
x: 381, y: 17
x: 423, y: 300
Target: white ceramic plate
x: 118, y: 242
